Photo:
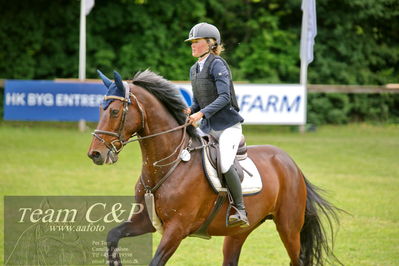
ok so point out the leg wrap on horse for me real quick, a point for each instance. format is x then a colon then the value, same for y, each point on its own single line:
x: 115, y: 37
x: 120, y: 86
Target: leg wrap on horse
x: 234, y: 185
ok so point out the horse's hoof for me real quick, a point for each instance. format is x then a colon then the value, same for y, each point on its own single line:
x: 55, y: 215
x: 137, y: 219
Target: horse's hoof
x: 114, y: 259
x: 114, y: 263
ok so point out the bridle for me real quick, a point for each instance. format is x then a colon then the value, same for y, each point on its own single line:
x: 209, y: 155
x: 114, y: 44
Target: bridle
x: 119, y: 139
x: 178, y: 150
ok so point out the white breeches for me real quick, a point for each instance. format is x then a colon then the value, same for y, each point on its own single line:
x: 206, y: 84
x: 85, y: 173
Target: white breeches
x: 229, y: 139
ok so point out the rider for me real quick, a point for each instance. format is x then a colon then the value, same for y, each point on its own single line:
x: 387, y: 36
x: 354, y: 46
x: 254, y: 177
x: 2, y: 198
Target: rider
x: 215, y: 103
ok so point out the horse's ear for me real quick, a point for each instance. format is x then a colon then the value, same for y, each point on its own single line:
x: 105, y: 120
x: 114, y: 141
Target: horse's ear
x: 107, y: 81
x: 118, y: 82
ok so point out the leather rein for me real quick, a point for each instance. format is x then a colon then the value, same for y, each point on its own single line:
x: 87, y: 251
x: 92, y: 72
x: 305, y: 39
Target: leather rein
x: 111, y: 145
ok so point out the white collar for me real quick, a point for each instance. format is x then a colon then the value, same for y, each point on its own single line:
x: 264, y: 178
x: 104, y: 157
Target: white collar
x: 202, y: 63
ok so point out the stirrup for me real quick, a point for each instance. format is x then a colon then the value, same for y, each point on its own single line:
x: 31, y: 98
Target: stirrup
x: 238, y: 219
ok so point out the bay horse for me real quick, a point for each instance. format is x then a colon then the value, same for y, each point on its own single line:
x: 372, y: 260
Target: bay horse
x: 150, y: 108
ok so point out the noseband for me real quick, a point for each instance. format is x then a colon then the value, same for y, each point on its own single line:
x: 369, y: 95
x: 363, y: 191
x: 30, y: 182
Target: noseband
x: 112, y: 148
x: 111, y: 145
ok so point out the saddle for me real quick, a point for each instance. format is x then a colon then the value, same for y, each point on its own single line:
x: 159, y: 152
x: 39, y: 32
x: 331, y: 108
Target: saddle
x: 213, y: 154
x: 251, y: 183
x: 246, y: 169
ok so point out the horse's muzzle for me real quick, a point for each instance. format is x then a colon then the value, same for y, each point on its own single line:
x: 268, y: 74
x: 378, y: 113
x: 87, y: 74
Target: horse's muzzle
x: 100, y: 158
x: 96, y: 157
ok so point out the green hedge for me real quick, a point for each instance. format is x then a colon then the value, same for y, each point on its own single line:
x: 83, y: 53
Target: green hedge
x: 356, y: 43
x: 342, y: 108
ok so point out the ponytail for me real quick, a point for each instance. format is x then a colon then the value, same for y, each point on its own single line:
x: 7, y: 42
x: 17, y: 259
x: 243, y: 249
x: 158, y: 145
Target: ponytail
x: 215, y: 48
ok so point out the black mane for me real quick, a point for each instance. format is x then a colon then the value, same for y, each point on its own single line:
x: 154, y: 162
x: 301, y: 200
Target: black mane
x: 167, y: 93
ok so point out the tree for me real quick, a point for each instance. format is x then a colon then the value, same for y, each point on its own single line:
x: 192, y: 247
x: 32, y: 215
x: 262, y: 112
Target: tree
x: 357, y: 41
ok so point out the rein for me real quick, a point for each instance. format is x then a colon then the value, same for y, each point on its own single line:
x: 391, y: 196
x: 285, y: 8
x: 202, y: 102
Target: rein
x: 111, y: 145
x: 138, y: 138
x: 126, y: 101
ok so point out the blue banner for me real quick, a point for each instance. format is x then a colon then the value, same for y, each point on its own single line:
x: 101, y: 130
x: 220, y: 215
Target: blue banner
x: 73, y: 101
x: 52, y: 101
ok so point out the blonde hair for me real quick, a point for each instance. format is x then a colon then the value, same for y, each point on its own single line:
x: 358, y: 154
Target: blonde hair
x: 215, y: 48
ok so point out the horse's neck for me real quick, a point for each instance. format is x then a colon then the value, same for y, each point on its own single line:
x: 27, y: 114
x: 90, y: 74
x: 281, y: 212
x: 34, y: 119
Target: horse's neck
x: 154, y: 149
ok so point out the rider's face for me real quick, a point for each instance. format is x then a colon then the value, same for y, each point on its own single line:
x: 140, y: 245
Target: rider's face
x: 199, y: 47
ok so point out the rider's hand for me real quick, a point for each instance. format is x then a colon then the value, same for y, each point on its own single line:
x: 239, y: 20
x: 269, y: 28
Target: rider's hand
x: 187, y: 111
x: 195, y: 117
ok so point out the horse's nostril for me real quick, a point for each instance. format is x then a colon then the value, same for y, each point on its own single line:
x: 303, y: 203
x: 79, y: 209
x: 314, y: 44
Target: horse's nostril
x: 94, y: 155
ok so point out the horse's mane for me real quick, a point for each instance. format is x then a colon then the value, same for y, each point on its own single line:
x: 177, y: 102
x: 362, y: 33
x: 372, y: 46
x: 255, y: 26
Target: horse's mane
x: 167, y: 93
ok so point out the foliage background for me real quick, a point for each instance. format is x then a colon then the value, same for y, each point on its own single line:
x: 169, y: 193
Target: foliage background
x: 357, y: 43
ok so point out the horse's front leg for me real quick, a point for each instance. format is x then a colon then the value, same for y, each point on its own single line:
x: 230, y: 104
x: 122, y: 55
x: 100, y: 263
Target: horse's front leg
x: 172, y: 236
x: 139, y: 224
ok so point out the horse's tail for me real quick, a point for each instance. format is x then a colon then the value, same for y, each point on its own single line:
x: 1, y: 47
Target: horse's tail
x: 315, y: 247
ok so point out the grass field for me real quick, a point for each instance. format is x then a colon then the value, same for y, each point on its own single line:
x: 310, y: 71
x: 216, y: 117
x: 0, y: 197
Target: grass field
x: 357, y: 164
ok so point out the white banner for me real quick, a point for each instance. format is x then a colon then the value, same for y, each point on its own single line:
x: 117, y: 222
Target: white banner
x: 309, y: 30
x: 89, y: 4
x: 265, y: 103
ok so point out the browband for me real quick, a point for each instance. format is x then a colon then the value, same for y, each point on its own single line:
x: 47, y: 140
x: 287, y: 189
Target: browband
x: 123, y: 99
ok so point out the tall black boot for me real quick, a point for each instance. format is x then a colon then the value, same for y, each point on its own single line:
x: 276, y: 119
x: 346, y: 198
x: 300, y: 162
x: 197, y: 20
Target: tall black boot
x: 234, y: 185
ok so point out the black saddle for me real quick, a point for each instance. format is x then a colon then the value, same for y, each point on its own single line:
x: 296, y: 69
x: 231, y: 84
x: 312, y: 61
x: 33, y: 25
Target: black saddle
x: 213, y: 154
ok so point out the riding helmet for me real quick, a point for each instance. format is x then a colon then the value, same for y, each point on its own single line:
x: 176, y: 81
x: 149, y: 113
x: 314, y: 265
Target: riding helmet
x: 204, y: 30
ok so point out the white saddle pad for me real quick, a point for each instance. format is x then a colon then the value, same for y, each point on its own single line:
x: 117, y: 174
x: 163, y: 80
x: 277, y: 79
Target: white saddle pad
x: 250, y: 185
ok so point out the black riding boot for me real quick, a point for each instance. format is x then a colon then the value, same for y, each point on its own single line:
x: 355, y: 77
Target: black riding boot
x: 234, y: 185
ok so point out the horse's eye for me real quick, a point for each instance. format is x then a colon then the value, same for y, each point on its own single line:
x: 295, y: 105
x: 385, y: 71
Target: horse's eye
x: 114, y: 112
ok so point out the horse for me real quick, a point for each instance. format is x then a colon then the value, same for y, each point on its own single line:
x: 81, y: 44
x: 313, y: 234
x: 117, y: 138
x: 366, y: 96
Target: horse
x: 149, y: 109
